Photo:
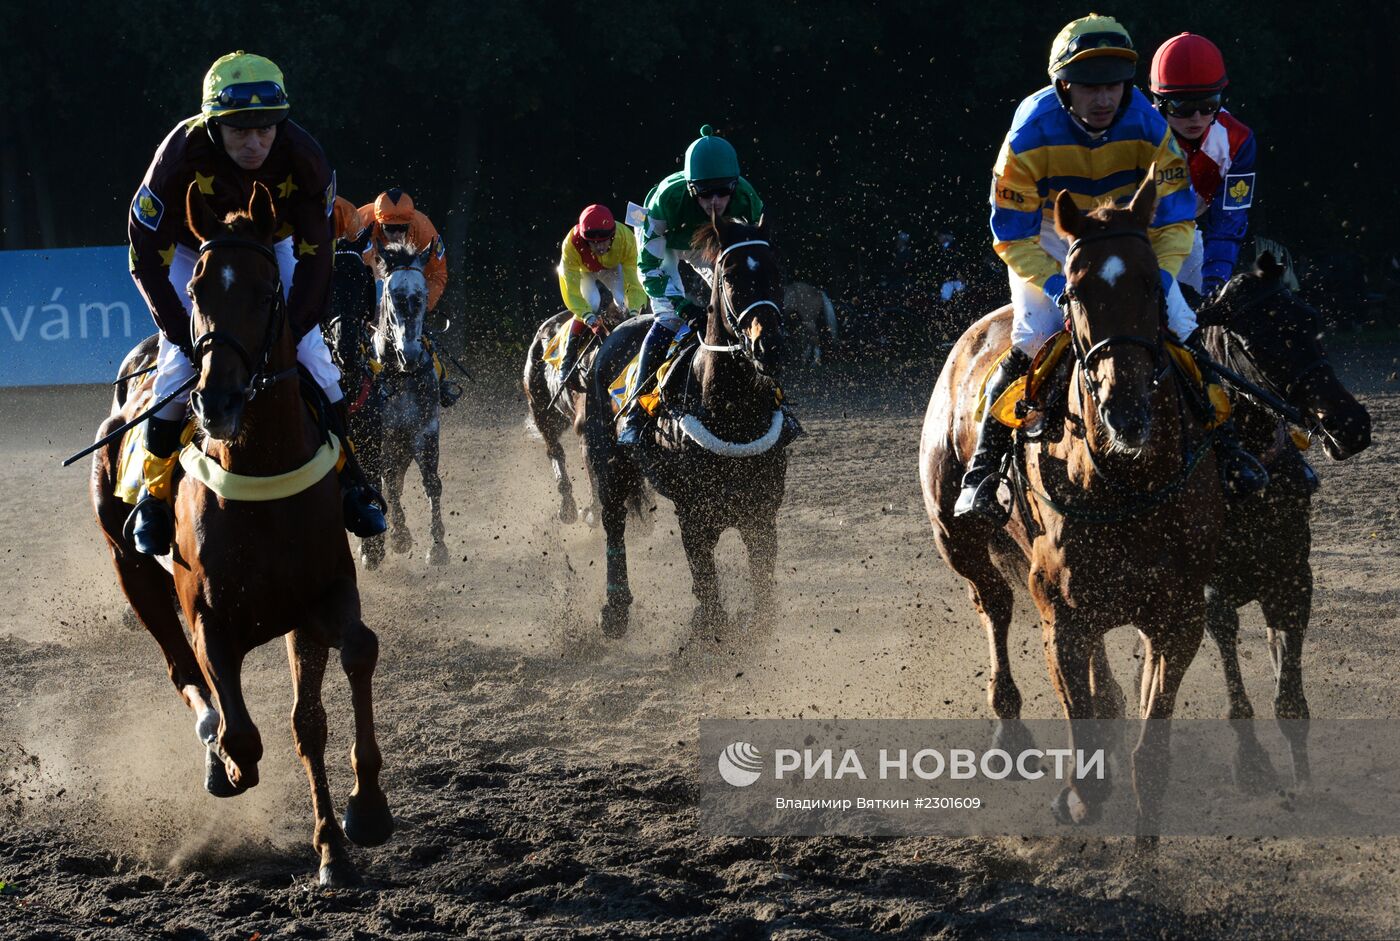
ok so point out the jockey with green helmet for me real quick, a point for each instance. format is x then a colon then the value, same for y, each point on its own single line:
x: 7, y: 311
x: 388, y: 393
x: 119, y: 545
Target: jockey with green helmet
x: 241, y: 136
x: 1092, y: 134
x: 709, y: 187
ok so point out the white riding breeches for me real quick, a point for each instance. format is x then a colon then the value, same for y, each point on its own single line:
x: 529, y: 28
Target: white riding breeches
x: 665, y: 307
x: 173, y: 368
x: 1191, y: 268
x: 610, y: 278
x: 1037, y: 318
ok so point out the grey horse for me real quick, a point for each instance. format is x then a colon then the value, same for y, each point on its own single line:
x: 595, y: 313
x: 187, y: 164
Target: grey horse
x: 407, y: 398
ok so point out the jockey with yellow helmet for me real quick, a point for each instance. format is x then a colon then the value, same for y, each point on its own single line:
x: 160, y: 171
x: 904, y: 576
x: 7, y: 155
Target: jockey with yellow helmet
x: 709, y: 187
x: 241, y: 136
x: 596, y: 253
x: 1094, y: 135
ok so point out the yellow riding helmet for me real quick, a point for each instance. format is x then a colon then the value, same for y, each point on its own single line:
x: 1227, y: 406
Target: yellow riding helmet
x: 1093, y: 50
x: 244, y: 90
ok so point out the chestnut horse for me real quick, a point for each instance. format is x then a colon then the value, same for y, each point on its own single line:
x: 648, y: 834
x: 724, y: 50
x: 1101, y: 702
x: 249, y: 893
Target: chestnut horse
x: 1258, y: 329
x: 247, y: 571
x: 1126, y: 508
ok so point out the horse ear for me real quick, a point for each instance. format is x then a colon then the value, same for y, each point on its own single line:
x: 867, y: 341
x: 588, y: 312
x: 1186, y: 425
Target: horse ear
x: 1144, y: 204
x: 264, y: 213
x: 1269, y: 266
x: 1068, y: 218
x: 202, y: 221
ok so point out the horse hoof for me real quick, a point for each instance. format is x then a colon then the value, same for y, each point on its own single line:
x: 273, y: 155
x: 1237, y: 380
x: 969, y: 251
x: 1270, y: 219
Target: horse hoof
x: 1012, y: 737
x: 216, y: 780
x: 340, y: 874
x: 1254, y: 774
x: 568, y: 511
x: 590, y: 518
x: 437, y: 555
x: 370, y: 562
x: 401, y: 546
x: 613, y: 620
x: 367, y: 821
x: 708, y: 622
x: 1068, y: 809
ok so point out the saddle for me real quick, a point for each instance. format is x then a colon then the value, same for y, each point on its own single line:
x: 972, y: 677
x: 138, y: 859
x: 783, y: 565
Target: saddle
x: 620, y: 391
x: 1035, y: 404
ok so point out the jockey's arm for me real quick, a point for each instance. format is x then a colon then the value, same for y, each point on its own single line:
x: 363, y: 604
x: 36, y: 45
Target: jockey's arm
x: 1173, y: 227
x: 651, y: 258
x: 313, y: 240
x: 1226, y: 221
x: 635, y: 294
x: 571, y: 282
x: 154, y: 220
x: 435, y: 271
x: 1016, y: 218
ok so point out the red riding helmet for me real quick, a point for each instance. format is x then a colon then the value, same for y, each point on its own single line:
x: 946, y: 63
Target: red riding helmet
x: 597, y: 223
x: 1188, y: 64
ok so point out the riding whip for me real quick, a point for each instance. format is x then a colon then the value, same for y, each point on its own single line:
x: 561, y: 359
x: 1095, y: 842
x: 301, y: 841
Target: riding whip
x: 564, y: 383
x: 117, y: 432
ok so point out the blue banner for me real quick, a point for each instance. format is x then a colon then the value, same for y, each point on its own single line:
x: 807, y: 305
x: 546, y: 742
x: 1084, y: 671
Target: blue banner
x: 67, y: 315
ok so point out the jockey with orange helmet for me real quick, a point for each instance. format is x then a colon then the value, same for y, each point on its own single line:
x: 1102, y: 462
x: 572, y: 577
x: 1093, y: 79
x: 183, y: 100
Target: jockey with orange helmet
x: 242, y: 136
x: 1188, y: 87
x: 596, y: 252
x: 392, y: 218
x: 346, y: 219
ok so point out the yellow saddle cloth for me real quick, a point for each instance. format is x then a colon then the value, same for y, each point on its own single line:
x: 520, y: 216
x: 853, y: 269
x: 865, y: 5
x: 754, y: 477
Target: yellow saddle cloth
x: 1032, y: 385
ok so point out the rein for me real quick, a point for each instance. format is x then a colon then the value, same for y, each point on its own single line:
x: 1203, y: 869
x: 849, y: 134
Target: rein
x: 735, y: 321
x: 258, y: 380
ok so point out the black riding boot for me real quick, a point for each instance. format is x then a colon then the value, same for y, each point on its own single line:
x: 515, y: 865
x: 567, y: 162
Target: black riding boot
x: 654, y: 347
x: 151, y: 525
x: 362, y: 505
x: 1241, y: 474
x: 983, y: 474
x: 448, y: 391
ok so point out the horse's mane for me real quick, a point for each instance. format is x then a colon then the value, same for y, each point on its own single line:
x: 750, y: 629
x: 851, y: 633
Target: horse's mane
x: 398, y: 253
x: 709, y: 244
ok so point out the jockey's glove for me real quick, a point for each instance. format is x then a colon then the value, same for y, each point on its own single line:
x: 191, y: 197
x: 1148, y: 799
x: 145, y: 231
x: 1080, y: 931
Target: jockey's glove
x: 1055, y: 287
x: 595, y: 323
x: 1211, y: 287
x: 692, y: 311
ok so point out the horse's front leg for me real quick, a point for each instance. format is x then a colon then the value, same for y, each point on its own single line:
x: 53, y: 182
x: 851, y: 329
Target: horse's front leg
x: 699, y: 534
x: 432, y: 485
x: 1286, y: 612
x: 1254, y: 773
x: 307, y: 658
x: 1070, y: 643
x: 231, y: 765
x: 396, y: 467
x: 761, y: 540
x: 1169, y: 646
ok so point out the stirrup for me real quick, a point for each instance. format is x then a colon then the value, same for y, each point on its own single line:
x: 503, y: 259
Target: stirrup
x: 979, y: 499
x: 1242, y: 475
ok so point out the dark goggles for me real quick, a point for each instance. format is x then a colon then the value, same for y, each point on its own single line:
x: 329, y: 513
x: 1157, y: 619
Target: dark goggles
x: 599, y: 235
x: 704, y: 189
x: 1087, y: 41
x: 253, y: 94
x: 1189, y: 107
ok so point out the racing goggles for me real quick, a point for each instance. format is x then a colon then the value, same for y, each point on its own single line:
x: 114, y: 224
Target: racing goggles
x: 599, y: 235
x: 252, y: 94
x: 704, y: 189
x: 1190, y: 107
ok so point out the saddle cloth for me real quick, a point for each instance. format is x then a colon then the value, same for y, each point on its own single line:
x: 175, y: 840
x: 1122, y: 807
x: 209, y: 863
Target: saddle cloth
x: 1034, y: 387
x: 621, y: 389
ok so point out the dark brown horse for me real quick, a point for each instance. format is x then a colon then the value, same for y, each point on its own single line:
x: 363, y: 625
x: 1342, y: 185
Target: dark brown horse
x: 553, y: 412
x: 1125, y: 505
x: 247, y: 571
x: 721, y: 459
x: 1260, y: 330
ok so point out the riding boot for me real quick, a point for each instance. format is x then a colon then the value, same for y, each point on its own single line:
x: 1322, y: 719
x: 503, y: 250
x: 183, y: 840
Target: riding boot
x: 361, y: 503
x: 571, y: 351
x: 448, y: 390
x: 1311, y: 482
x: 1241, y: 474
x: 658, y: 339
x: 151, y: 525
x: 983, y: 475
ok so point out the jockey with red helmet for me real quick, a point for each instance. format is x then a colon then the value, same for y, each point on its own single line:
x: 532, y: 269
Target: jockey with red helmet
x: 241, y: 136
x: 1188, y: 82
x: 596, y: 252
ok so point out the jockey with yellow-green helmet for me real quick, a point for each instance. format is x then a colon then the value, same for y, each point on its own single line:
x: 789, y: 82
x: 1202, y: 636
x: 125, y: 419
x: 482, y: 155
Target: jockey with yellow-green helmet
x: 241, y: 136
x: 709, y: 187
x: 1092, y: 134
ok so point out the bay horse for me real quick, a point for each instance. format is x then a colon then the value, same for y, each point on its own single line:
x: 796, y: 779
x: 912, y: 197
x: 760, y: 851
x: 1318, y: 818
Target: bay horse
x: 406, y: 400
x: 245, y: 571
x: 723, y: 464
x: 552, y: 412
x: 812, y: 317
x: 1260, y: 330
x: 1125, y: 508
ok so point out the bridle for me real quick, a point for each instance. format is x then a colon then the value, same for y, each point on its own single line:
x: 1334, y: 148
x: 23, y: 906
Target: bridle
x: 1285, y: 389
x: 386, y: 305
x: 258, y: 378
x: 736, y: 320
x: 1086, y: 358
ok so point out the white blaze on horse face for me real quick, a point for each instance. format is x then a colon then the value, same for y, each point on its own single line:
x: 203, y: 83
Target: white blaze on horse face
x: 1112, y: 269
x: 227, y: 276
x: 753, y: 263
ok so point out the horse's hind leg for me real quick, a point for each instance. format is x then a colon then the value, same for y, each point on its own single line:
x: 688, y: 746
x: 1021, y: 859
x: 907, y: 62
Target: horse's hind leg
x: 432, y: 485
x: 1254, y: 773
x: 307, y: 658
x: 1286, y: 612
x: 761, y: 539
x: 568, y: 509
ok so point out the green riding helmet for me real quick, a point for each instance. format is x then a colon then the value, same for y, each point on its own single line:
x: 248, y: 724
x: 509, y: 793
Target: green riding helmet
x: 1093, y: 50
x: 244, y: 90
x: 710, y: 158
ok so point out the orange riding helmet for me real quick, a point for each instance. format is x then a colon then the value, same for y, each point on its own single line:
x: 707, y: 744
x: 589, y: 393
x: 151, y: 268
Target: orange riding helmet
x: 393, y: 207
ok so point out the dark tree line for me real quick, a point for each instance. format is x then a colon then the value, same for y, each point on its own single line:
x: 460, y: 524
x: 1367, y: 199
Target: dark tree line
x: 503, y: 119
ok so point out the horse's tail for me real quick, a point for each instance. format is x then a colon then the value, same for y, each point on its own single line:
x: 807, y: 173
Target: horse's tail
x: 829, y: 313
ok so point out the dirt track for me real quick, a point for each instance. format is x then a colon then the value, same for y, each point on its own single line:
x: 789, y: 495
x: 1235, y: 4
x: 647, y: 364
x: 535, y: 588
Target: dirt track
x: 544, y: 780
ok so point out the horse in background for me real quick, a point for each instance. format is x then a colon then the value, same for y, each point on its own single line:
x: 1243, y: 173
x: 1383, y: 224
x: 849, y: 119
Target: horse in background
x: 1259, y: 329
x: 723, y: 463
x: 346, y: 328
x: 811, y: 316
x: 1121, y: 508
x: 405, y: 396
x: 246, y: 569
